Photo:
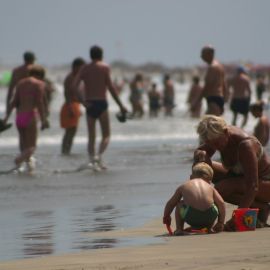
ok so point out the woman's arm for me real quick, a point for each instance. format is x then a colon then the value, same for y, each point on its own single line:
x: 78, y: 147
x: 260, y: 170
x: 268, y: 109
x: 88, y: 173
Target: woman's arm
x: 203, y: 154
x: 248, y: 159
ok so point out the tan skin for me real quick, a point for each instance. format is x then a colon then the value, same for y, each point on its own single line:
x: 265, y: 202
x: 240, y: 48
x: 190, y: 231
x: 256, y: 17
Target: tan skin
x: 18, y: 73
x: 70, y: 96
x: 98, y: 92
x: 249, y: 189
x: 199, y: 194
x: 261, y: 130
x: 194, y: 100
x: 240, y: 86
x: 168, y: 92
x: 214, y: 80
x: 137, y: 102
x: 33, y: 86
x: 153, y: 94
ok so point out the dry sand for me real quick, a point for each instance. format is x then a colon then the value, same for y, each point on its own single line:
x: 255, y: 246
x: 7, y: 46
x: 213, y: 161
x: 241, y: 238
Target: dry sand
x: 241, y: 251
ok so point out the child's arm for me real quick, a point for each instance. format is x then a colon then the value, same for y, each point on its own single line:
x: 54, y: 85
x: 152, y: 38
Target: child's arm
x: 171, y: 204
x: 219, y: 202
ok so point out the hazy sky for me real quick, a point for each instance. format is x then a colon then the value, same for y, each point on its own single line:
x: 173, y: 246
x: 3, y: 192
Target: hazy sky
x: 167, y: 31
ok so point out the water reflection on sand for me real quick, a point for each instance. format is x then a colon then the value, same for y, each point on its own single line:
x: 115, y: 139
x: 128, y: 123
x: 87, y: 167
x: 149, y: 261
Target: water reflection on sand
x: 47, y: 213
x: 38, y: 236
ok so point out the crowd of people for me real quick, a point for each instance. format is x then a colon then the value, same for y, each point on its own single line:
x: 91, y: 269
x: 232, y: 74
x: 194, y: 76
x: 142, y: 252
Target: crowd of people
x: 240, y: 177
x: 87, y: 84
x: 242, y: 174
x: 157, y: 100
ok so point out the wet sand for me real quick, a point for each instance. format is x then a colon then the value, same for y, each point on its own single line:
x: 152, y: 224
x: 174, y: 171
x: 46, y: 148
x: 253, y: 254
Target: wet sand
x: 225, y: 251
x: 94, y: 221
x: 48, y: 213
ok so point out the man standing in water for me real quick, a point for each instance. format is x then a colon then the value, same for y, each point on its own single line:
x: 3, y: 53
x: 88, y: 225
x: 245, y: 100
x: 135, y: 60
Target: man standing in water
x: 70, y: 111
x: 97, y: 80
x: 241, y: 94
x: 168, y: 95
x: 214, y: 88
x: 19, y: 73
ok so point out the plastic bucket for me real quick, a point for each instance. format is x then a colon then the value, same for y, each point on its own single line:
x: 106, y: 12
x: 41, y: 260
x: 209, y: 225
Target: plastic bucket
x: 245, y: 219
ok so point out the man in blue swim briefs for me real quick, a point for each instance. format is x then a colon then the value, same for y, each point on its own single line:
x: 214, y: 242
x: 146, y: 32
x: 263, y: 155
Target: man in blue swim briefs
x: 97, y: 80
x: 239, y: 85
x: 197, y: 203
x: 214, y: 89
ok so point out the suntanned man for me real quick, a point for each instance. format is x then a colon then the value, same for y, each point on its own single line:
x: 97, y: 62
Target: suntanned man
x: 97, y: 80
x: 19, y: 73
x: 241, y: 94
x: 214, y: 88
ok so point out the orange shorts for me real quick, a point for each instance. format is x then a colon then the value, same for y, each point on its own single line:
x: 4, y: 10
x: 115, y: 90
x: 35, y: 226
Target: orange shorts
x: 67, y: 119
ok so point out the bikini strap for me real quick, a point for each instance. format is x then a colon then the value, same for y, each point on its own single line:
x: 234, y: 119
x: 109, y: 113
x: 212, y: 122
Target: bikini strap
x: 261, y: 152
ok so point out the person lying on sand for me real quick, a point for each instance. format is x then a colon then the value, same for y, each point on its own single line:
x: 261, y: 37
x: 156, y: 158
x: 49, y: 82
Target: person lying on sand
x: 197, y: 203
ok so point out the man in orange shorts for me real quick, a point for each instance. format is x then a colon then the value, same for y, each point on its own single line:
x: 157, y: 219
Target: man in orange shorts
x: 70, y: 112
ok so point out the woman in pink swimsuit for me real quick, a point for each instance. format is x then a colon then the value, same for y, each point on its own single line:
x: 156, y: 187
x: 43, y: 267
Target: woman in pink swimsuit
x: 28, y: 100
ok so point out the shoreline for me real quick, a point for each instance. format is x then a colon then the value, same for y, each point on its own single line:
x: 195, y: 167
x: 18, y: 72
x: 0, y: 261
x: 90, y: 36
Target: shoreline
x: 227, y: 250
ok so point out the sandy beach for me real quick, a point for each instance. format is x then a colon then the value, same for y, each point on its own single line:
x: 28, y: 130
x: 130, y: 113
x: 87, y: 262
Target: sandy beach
x: 79, y: 221
x: 235, y: 250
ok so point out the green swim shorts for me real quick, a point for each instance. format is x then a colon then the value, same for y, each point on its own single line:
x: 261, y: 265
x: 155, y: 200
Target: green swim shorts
x: 198, y: 219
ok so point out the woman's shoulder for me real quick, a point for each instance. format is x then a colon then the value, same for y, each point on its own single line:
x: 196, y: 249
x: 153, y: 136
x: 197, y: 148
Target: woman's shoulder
x: 237, y: 133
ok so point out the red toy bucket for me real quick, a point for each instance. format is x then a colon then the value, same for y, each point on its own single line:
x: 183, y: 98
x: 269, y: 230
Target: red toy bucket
x: 245, y: 219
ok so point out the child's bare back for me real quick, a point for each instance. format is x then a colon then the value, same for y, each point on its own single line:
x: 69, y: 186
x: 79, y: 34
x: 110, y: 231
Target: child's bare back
x: 197, y: 193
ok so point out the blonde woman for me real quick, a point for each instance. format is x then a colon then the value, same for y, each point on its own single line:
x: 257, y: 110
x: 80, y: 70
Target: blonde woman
x: 243, y: 175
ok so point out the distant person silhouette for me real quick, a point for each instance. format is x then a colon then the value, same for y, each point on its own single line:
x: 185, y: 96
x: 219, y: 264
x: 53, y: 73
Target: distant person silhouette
x: 260, y: 86
x: 154, y: 101
x: 261, y: 130
x: 241, y: 94
x: 136, y: 96
x: 194, y: 99
x: 214, y: 85
x: 168, y: 95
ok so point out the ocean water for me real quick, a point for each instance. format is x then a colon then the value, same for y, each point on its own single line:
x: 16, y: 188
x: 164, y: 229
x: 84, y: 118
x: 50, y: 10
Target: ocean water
x: 53, y: 210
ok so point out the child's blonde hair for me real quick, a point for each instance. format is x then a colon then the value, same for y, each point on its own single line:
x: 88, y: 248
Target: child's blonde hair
x: 211, y: 127
x: 203, y: 170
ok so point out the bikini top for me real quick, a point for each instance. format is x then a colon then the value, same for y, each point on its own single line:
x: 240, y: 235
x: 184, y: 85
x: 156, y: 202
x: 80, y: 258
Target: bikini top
x: 237, y: 168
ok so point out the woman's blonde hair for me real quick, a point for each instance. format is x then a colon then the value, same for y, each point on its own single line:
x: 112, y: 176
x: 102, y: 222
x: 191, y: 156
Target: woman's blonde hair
x: 203, y: 170
x: 211, y: 127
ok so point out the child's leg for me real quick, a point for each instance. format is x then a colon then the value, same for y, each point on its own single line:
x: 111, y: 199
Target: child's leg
x: 179, y: 221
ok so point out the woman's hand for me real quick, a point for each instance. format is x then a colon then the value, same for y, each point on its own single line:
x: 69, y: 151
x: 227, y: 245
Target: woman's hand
x: 201, y: 156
